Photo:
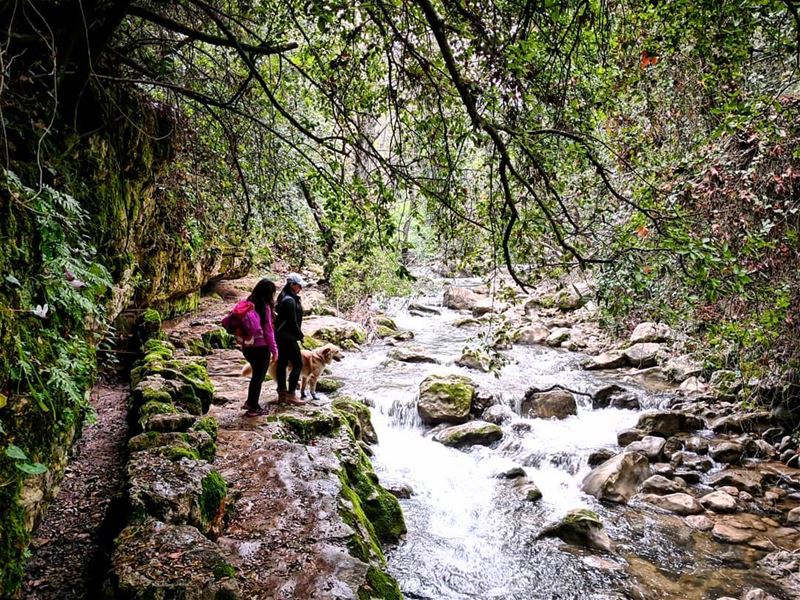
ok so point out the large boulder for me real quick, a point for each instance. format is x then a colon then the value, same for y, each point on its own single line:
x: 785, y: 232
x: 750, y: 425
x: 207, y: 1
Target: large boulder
x: 613, y: 359
x: 614, y: 396
x: 460, y: 298
x: 532, y: 334
x: 650, y: 446
x: 666, y: 423
x: 334, y: 330
x: 642, y: 355
x: 544, y: 405
x: 651, y: 332
x: 469, y: 434
x: 743, y: 422
x: 581, y: 527
x: 445, y: 399
x: 617, y: 479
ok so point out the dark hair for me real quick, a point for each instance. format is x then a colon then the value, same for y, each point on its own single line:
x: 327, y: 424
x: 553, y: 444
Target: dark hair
x: 263, y: 296
x: 286, y: 291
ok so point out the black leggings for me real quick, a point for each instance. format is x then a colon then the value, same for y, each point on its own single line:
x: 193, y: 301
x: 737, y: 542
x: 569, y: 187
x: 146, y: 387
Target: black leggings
x: 288, y: 352
x: 258, y: 358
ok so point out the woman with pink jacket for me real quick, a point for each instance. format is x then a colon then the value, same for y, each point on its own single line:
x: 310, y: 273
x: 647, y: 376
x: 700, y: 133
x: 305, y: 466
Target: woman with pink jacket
x: 252, y: 321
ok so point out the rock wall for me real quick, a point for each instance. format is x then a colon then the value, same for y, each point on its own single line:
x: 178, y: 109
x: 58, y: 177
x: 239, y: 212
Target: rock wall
x: 91, y: 224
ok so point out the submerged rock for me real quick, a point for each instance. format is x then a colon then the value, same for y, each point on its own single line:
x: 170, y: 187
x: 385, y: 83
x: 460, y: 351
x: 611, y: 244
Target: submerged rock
x: 614, y: 396
x: 529, y: 491
x: 498, y: 414
x: 581, y: 527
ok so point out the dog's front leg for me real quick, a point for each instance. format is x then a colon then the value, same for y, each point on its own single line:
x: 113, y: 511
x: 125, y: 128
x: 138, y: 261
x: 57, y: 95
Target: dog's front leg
x: 312, y: 386
x: 303, y: 387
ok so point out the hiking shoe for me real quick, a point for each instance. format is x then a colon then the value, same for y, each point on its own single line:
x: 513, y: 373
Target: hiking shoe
x: 292, y: 398
x: 256, y: 412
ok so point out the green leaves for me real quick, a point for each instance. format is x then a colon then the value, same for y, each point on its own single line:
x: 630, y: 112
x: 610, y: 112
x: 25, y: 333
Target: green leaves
x: 15, y: 452
x: 22, y: 462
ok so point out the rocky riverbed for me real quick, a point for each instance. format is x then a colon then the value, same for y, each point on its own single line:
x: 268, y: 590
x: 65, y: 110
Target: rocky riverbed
x: 533, y: 456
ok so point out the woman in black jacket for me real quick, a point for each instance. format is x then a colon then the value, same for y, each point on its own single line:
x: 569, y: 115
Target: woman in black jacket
x: 288, y: 335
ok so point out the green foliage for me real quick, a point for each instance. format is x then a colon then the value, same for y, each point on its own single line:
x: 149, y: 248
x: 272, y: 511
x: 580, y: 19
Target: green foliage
x: 52, y: 314
x: 352, y: 280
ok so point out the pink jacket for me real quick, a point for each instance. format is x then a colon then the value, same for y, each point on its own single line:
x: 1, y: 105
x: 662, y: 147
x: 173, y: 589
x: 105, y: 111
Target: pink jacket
x: 249, y: 330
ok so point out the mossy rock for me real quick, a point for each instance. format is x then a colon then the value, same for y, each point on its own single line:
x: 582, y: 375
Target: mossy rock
x: 581, y: 527
x: 445, y: 399
x: 380, y: 507
x: 358, y: 418
x: 329, y: 385
x: 311, y: 343
x: 197, y: 567
x: 385, y: 332
x: 196, y: 391
x: 212, y: 501
x: 219, y: 338
x: 208, y: 424
x: 151, y: 322
x: 307, y: 426
x: 176, y: 489
x: 197, y: 444
x: 197, y: 347
x: 385, y: 321
x: 380, y: 585
x: 155, y: 407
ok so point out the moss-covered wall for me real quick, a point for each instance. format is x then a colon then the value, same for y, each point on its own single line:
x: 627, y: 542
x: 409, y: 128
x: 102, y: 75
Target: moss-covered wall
x: 89, y: 225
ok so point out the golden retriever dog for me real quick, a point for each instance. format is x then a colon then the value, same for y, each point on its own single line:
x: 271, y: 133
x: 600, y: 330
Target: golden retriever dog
x: 314, y: 361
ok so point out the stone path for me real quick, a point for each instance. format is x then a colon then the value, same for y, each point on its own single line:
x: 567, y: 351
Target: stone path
x: 291, y: 533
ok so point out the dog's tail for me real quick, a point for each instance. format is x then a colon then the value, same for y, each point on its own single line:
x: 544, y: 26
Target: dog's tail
x: 247, y: 370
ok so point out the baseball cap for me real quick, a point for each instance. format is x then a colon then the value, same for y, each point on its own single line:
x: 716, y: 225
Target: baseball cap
x: 295, y: 278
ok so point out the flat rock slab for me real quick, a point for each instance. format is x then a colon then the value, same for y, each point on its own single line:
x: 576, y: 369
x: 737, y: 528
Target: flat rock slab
x: 286, y: 537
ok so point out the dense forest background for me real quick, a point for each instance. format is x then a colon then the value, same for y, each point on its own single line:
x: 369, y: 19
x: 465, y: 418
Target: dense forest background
x: 149, y: 147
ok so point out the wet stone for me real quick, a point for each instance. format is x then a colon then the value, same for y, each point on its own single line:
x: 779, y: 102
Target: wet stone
x: 719, y: 502
x: 699, y: 522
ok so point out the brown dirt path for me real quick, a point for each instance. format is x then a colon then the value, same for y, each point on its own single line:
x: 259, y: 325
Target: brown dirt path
x: 67, y: 551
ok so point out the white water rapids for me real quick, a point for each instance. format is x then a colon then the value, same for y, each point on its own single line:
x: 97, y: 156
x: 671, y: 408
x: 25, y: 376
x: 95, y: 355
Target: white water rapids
x: 470, y: 535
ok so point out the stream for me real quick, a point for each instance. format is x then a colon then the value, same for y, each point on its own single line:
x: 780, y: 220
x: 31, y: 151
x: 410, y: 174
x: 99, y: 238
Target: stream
x: 471, y: 536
